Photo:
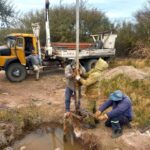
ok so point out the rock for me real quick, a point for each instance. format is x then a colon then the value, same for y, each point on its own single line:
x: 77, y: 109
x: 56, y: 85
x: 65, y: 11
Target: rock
x: 148, y: 133
x: 3, y: 125
x: 10, y: 138
x: 7, y: 132
x: 22, y: 147
x: 8, y: 148
x: 77, y: 132
x: 4, y: 93
x: 3, y: 140
x: 49, y: 103
x: 57, y: 148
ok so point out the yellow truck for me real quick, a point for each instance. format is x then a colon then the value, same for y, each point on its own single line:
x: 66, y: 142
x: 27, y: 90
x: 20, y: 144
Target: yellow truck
x: 13, y: 55
x: 20, y: 45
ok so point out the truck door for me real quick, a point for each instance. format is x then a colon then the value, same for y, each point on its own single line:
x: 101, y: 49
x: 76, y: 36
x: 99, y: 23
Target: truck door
x: 20, y: 53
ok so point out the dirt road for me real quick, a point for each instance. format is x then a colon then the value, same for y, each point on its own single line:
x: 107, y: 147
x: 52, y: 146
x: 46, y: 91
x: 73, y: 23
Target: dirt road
x: 49, y: 89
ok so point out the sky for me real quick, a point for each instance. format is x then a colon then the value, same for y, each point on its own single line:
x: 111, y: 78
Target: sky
x: 114, y: 9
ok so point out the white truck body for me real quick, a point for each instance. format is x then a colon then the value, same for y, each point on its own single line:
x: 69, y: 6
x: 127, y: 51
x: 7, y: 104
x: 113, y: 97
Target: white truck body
x: 107, y: 50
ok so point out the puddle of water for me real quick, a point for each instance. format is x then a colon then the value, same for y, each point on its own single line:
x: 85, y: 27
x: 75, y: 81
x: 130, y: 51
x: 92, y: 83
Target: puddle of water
x: 47, y: 139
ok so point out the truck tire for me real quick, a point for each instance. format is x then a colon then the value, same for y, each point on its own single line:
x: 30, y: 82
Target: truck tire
x: 90, y: 64
x: 16, y: 72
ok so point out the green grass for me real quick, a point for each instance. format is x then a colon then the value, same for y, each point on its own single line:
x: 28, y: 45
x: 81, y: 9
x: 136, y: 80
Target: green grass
x: 25, y: 118
x: 138, y: 91
x: 137, y: 63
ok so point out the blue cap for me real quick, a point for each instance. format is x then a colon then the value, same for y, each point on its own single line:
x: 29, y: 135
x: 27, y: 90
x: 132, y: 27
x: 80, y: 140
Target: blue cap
x: 116, y: 96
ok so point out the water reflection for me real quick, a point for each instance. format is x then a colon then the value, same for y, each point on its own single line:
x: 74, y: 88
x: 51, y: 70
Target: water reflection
x: 47, y: 138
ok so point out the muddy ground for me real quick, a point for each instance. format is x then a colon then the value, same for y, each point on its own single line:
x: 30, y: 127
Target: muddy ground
x: 48, y: 93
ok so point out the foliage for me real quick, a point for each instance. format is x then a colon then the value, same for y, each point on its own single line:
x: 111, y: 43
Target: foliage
x: 25, y: 22
x: 140, y: 50
x: 143, y: 24
x: 92, y: 21
x: 6, y: 13
x: 126, y: 39
x: 131, y: 34
x: 4, y: 32
x: 62, y: 23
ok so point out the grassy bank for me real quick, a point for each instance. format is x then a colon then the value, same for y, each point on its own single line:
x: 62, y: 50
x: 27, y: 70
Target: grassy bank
x: 27, y: 118
x: 138, y: 91
x: 137, y: 63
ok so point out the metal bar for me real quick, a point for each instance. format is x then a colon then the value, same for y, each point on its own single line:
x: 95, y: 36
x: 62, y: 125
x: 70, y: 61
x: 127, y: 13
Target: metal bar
x: 77, y: 50
x: 47, y: 25
x: 77, y: 34
x: 36, y: 32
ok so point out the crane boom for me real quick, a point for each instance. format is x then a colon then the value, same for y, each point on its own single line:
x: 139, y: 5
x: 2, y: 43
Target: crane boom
x: 47, y: 27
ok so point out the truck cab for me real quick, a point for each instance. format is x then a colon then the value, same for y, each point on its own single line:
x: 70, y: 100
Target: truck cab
x: 13, y: 55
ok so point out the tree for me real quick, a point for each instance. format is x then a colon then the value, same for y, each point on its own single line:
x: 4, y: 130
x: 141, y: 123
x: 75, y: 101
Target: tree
x: 143, y: 24
x: 6, y: 13
x: 63, y: 23
x: 126, y: 39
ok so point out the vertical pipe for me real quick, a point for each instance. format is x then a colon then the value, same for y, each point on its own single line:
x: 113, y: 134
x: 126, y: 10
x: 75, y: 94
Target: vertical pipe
x: 77, y: 51
x: 77, y: 34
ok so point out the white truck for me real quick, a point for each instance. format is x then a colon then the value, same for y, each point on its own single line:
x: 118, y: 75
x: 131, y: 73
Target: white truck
x: 103, y: 46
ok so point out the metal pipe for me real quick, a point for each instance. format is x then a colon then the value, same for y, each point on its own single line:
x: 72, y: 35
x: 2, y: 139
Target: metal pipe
x: 77, y: 51
x: 77, y: 34
x: 36, y: 32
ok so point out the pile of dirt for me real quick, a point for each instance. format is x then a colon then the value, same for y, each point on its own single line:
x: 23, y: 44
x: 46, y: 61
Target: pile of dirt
x: 129, y: 71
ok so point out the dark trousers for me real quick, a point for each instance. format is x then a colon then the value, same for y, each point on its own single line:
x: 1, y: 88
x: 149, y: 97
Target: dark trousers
x: 117, y: 122
x: 68, y: 94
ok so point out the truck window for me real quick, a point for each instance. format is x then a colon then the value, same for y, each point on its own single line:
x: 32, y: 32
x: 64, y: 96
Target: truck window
x: 28, y: 46
x: 11, y: 42
x: 20, y: 42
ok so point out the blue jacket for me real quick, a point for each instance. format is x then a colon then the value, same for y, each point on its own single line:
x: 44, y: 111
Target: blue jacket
x: 122, y: 107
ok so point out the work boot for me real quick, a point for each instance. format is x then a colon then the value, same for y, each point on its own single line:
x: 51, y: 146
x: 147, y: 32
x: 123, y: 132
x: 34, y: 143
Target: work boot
x: 117, y: 130
x: 116, y: 133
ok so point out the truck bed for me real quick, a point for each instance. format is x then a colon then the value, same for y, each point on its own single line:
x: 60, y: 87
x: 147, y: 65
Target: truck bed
x: 71, y: 45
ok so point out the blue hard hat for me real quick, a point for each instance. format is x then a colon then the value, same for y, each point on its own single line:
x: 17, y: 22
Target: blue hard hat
x: 116, y: 96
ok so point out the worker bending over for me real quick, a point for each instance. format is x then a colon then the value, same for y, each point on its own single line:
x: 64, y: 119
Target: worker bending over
x: 121, y: 113
x: 91, y: 82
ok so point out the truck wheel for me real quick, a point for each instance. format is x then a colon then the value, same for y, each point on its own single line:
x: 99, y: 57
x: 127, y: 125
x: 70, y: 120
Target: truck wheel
x: 90, y: 64
x: 16, y: 72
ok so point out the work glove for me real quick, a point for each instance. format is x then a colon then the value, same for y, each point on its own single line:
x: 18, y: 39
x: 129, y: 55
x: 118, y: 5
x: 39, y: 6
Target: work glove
x: 78, y: 77
x: 97, y: 114
x: 103, y: 117
x: 67, y: 114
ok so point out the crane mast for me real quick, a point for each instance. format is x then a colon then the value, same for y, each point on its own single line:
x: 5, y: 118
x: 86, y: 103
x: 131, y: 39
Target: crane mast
x: 47, y: 27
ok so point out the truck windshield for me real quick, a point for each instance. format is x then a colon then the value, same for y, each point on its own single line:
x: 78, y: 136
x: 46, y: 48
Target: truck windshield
x: 11, y: 41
